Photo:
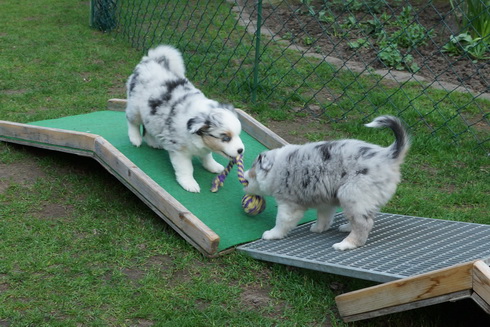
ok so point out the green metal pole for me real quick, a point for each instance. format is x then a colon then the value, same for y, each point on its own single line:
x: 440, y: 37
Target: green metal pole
x: 257, y: 51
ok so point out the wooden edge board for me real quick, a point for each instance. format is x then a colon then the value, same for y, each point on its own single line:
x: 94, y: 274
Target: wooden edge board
x: 116, y: 104
x: 407, y: 290
x: 82, y: 153
x: 258, y: 131
x: 91, y: 145
x: 466, y: 294
x: 249, y: 124
x: 481, y: 281
x: 45, y: 136
x: 481, y: 303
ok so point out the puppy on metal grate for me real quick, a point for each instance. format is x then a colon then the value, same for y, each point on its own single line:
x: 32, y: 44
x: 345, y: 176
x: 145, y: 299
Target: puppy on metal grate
x: 358, y: 176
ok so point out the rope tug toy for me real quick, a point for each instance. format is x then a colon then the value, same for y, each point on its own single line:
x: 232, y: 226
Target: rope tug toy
x: 252, y: 204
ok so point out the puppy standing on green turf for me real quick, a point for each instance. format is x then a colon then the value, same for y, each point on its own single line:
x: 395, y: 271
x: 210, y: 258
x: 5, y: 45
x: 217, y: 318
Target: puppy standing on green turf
x: 358, y: 176
x: 178, y: 117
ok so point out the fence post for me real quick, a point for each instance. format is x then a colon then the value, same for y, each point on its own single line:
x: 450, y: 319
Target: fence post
x: 103, y: 14
x: 257, y: 51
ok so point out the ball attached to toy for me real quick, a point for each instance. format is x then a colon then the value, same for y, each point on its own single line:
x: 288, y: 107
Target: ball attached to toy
x: 253, y: 204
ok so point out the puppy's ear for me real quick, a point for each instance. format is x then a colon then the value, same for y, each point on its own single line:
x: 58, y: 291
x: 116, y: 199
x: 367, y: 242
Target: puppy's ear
x: 198, y: 125
x: 214, y: 119
x: 228, y: 106
x: 265, y: 163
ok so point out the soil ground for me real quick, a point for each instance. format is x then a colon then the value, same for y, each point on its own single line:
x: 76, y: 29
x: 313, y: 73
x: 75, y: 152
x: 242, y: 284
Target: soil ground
x: 292, y: 21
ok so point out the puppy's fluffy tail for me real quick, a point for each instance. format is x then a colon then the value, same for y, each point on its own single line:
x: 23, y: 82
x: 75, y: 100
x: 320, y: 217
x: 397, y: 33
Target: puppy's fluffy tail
x: 399, y: 148
x: 169, y: 57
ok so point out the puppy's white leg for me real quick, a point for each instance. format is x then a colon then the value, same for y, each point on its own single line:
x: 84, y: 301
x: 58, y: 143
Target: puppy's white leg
x: 288, y: 216
x: 361, y: 225
x: 134, y: 133
x: 184, y: 170
x: 345, y: 228
x: 324, y: 219
x: 210, y: 164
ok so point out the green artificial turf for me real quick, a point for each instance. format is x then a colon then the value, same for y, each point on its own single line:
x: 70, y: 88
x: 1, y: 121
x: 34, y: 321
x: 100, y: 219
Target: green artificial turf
x: 220, y: 211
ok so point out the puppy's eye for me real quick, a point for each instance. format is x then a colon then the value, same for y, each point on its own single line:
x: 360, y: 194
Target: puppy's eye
x: 225, y: 138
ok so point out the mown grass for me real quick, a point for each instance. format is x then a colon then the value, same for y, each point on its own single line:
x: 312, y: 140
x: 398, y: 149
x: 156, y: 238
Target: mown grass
x: 77, y: 248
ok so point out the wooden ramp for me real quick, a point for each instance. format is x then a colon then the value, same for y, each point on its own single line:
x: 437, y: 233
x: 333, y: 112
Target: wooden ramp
x: 166, y: 201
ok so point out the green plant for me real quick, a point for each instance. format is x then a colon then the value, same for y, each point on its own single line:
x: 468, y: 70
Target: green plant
x: 391, y: 56
x: 309, y: 7
x: 372, y: 6
x: 405, y: 18
x: 288, y: 36
x: 465, y: 43
x: 373, y: 26
x: 475, y: 25
x: 475, y: 17
x: 412, y: 36
x: 308, y: 40
x: 350, y: 23
x: 325, y: 17
x: 359, y: 43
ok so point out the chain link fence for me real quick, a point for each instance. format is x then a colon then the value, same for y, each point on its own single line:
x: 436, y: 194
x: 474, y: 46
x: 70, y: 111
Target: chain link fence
x: 427, y: 62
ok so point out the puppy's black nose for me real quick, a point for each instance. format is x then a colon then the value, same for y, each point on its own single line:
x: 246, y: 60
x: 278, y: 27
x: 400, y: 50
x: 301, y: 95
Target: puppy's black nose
x: 240, y: 151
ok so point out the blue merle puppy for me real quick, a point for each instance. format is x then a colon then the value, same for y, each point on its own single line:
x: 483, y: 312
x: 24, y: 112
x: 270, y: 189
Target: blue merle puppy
x: 178, y: 117
x: 359, y: 177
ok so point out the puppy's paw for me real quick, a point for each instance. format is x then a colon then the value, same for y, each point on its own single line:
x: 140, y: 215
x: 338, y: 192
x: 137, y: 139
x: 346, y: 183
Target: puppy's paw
x: 134, y: 135
x: 344, y: 245
x: 316, y: 228
x: 190, y: 185
x: 345, y: 228
x: 214, y: 167
x: 136, y: 140
x: 272, y: 235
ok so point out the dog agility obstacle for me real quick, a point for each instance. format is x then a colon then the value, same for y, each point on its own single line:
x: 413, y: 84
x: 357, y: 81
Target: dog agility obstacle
x: 419, y: 261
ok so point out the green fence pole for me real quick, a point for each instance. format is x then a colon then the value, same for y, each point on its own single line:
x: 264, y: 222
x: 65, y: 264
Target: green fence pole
x: 103, y: 14
x: 257, y: 51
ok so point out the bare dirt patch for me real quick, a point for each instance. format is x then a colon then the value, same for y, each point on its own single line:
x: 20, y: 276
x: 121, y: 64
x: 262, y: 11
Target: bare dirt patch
x: 48, y: 210
x: 255, y: 297
x: 24, y: 173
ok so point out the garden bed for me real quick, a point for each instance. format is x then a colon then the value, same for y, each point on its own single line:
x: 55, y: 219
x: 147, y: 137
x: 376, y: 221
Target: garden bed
x: 348, y: 32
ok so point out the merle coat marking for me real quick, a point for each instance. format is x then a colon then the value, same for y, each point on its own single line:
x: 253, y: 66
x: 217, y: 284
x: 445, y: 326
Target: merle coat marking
x: 358, y: 176
x: 178, y: 117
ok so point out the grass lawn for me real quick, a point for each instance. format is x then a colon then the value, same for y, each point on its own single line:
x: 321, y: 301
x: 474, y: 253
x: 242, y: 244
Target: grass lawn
x: 78, y: 249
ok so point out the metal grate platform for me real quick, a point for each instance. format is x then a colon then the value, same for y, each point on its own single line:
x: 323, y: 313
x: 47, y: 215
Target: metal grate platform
x: 398, y: 247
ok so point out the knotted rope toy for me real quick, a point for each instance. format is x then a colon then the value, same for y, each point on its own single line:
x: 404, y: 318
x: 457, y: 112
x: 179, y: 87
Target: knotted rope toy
x: 252, y: 204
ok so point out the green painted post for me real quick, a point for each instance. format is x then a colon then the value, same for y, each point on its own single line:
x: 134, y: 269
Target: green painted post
x: 103, y: 14
x: 257, y: 51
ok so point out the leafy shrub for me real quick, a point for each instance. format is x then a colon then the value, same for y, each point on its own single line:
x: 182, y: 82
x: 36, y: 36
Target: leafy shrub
x: 464, y: 43
x: 475, y: 24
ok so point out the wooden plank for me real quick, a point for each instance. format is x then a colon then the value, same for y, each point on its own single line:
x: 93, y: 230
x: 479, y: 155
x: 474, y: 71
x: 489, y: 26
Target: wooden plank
x: 49, y: 147
x: 53, y: 137
x: 466, y: 294
x: 261, y: 133
x: 481, y: 280
x: 249, y: 124
x: 481, y: 302
x: 421, y: 287
x: 159, y: 200
x: 116, y: 104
